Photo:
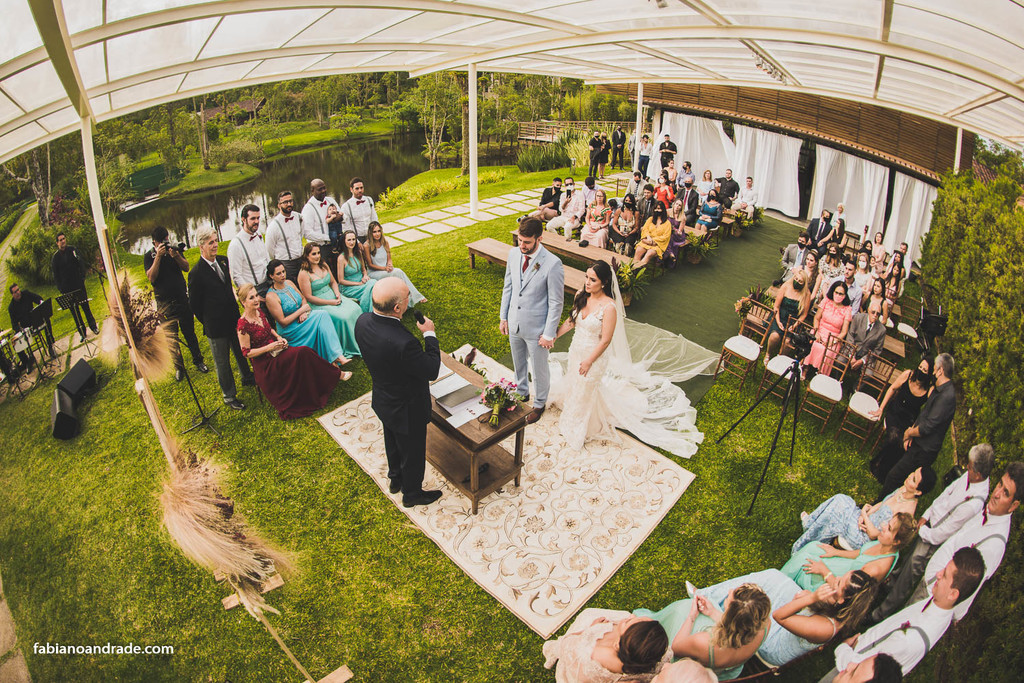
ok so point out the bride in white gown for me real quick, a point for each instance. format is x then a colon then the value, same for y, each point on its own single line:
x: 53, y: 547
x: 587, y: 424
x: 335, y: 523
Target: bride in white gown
x: 610, y: 379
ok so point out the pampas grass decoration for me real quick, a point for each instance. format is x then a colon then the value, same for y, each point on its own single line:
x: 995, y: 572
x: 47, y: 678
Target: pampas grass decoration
x: 202, y: 523
x: 150, y: 336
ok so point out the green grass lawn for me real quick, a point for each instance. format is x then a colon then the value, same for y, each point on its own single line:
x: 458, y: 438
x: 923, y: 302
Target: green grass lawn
x: 85, y: 558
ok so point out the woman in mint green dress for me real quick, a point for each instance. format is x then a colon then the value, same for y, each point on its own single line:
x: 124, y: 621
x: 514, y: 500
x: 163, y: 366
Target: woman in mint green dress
x: 352, y: 274
x: 298, y: 323
x: 816, y: 563
x: 720, y: 635
x: 377, y: 255
x: 321, y: 292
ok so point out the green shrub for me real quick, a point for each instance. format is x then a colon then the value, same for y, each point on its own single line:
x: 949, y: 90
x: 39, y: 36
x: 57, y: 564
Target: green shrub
x: 244, y: 151
x: 8, y: 222
x: 30, y: 257
x: 577, y: 146
x: 393, y: 198
x: 542, y: 157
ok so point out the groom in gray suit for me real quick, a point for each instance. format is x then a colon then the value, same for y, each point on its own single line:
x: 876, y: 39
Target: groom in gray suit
x: 531, y: 308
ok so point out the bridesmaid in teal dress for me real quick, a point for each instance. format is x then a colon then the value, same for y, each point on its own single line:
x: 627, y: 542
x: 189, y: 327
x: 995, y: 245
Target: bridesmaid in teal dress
x: 712, y: 632
x: 352, y: 274
x: 297, y: 322
x: 377, y: 256
x: 320, y: 290
x: 817, y: 563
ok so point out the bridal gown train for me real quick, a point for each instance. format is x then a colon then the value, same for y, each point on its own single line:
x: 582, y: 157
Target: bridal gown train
x: 618, y: 392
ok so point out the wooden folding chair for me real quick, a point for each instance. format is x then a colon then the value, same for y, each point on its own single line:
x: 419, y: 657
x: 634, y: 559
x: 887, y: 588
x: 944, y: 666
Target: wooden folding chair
x: 825, y: 390
x: 740, y: 353
x: 874, y: 381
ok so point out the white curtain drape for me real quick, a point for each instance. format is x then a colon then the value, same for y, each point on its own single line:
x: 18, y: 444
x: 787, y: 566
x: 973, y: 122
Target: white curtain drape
x: 698, y: 140
x: 773, y: 161
x: 857, y: 183
x: 911, y: 214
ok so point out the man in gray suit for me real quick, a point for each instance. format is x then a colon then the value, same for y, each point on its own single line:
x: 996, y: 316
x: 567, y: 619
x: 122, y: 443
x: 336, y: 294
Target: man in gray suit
x: 793, y: 255
x: 531, y: 307
x: 867, y: 334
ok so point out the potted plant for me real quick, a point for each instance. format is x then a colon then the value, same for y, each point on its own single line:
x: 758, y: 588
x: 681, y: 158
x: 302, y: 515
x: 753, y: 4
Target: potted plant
x: 699, y: 249
x: 632, y: 283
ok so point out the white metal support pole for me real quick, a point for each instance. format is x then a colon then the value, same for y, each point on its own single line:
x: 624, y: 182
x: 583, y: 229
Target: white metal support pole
x: 474, y: 176
x: 959, y: 149
x: 639, y: 123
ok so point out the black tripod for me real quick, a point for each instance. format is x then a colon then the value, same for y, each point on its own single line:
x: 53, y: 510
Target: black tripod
x: 792, y: 373
x: 202, y: 420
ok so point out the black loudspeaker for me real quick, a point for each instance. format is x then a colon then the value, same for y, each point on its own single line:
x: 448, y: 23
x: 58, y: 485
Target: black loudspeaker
x: 63, y: 420
x: 78, y: 381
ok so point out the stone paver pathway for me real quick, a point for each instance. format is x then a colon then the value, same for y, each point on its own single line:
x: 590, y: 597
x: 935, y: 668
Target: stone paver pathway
x: 440, y: 221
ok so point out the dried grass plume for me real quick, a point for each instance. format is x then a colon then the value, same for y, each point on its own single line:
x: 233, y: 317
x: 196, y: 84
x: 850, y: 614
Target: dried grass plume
x: 151, y: 336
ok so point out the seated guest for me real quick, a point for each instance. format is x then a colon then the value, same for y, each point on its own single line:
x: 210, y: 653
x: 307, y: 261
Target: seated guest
x: 876, y: 294
x: 893, y: 278
x: 831, y: 323
x: 606, y: 646
x: 685, y: 671
x: 721, y: 633
x: 353, y: 276
x: 729, y: 189
x: 867, y: 334
x: 819, y: 230
x: 625, y: 230
x: 320, y: 290
x: 878, y: 256
x: 853, y: 290
x: 908, y: 635
x: 987, y: 532
x: 678, y: 239
x: 879, y: 668
x: 645, y: 207
x: 812, y: 270
x: 838, y: 235
x: 550, y: 201
x: 747, y: 200
x: 831, y: 267
x: 691, y: 201
x: 816, y: 563
x: 841, y: 516
x: 958, y: 503
x: 862, y: 275
x: 663, y: 192
x: 686, y: 174
x: 599, y: 217
x: 900, y: 407
x: 20, y: 313
x: 671, y: 173
x: 635, y: 187
x: 654, y: 237
x: 377, y: 255
x: 793, y: 256
x: 299, y: 324
x: 710, y: 213
x: 571, y: 211
x: 792, y: 303
x: 706, y: 184
x: 295, y: 380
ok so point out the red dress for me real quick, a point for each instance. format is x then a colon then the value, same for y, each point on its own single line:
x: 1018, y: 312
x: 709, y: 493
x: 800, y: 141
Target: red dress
x: 297, y: 382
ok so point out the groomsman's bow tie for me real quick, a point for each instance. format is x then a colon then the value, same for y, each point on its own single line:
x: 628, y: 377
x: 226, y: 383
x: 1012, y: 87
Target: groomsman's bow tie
x: 323, y: 203
x: 359, y: 201
x: 288, y: 218
x: 253, y: 236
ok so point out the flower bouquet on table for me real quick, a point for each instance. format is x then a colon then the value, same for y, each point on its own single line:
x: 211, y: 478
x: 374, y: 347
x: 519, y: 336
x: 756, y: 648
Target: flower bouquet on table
x: 499, y: 396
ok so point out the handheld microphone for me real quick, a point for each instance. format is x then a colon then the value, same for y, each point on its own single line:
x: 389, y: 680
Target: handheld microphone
x: 419, y: 316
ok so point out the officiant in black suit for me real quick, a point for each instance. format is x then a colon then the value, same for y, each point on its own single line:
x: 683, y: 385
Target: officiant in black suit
x: 401, y: 371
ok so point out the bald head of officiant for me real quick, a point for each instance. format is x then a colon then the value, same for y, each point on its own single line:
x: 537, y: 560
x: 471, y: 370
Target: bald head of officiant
x: 401, y: 369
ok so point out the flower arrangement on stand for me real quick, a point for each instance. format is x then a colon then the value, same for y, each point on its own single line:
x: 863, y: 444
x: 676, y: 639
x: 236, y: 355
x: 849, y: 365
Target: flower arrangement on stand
x: 499, y: 396
x: 755, y: 293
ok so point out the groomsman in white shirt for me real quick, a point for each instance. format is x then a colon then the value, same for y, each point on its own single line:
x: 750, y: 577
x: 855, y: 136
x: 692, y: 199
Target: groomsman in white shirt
x: 284, y: 236
x: 962, y: 500
x: 247, y: 254
x: 911, y: 633
x: 987, y: 532
x: 359, y: 211
x: 322, y: 222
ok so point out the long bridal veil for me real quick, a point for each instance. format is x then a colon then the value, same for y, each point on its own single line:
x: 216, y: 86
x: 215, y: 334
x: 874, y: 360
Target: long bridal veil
x: 644, y: 361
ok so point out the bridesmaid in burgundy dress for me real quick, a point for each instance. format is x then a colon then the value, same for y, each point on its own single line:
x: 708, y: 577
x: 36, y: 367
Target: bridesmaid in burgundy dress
x: 295, y: 380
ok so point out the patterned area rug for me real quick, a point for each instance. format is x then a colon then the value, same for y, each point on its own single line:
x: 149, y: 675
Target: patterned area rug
x: 544, y: 548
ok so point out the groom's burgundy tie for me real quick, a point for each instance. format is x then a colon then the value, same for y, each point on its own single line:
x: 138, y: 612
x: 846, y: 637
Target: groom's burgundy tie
x: 526, y: 262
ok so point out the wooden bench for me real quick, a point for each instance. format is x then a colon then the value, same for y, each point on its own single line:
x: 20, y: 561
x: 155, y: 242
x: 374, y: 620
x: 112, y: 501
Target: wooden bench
x: 493, y: 251
x: 570, y: 248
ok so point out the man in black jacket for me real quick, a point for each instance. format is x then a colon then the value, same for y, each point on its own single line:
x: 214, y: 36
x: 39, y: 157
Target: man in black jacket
x: 20, y: 309
x: 728, y: 189
x: 213, y: 302
x: 69, y: 275
x: 550, y: 201
x: 618, y: 145
x: 164, y: 265
x: 595, y: 146
x: 401, y: 371
x: 690, y: 198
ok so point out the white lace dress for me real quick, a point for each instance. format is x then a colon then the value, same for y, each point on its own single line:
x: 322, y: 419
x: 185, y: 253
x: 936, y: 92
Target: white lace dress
x: 586, y: 412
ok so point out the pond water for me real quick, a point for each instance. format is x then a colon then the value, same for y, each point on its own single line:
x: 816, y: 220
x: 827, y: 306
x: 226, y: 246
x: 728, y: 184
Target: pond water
x: 381, y: 163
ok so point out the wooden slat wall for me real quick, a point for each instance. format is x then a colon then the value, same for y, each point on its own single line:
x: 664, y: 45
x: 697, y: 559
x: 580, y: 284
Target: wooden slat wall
x: 919, y: 143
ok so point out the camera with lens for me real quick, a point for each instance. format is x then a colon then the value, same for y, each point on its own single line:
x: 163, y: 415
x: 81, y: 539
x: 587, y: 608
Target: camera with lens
x: 801, y: 343
x: 179, y: 247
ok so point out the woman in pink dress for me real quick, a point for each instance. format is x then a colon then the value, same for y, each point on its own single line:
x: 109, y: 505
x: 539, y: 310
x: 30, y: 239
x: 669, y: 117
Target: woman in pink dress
x: 833, y: 317
x: 295, y: 380
x: 599, y: 216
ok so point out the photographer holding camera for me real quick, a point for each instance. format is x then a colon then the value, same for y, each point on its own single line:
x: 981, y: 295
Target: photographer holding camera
x: 164, y: 265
